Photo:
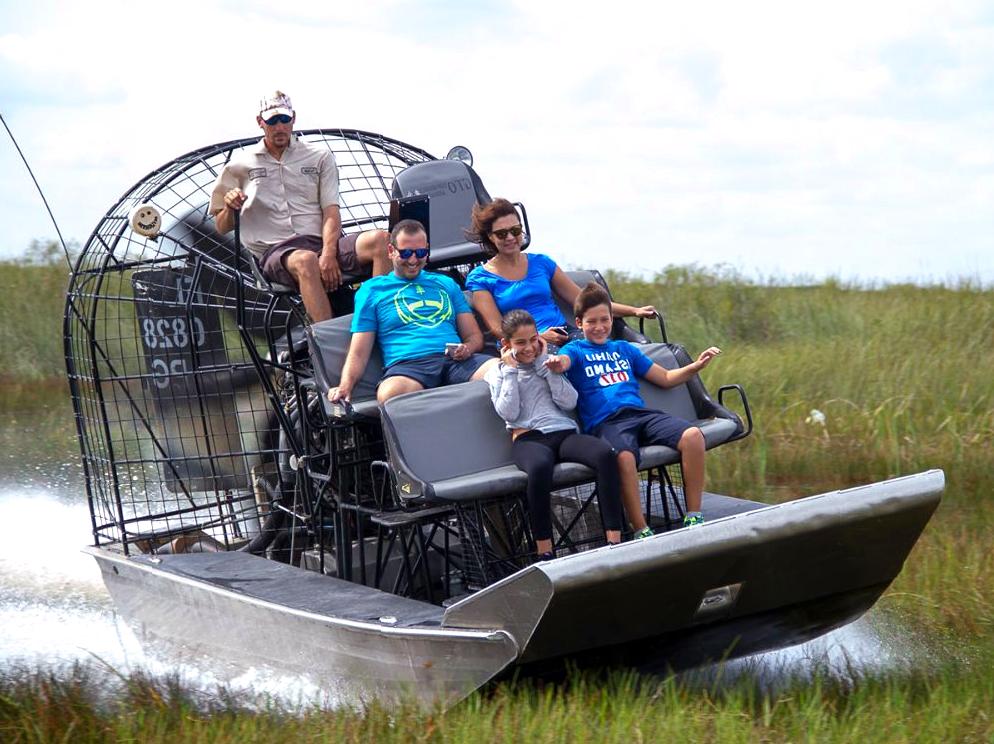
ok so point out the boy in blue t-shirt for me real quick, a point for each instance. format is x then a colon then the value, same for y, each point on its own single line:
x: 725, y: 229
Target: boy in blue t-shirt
x: 604, y: 374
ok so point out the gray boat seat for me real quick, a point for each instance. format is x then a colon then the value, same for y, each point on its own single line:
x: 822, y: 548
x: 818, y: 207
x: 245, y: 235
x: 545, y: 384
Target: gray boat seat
x: 452, y: 188
x: 449, y: 444
x: 328, y: 346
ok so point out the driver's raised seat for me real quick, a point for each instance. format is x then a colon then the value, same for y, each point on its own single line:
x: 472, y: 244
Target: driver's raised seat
x: 452, y: 189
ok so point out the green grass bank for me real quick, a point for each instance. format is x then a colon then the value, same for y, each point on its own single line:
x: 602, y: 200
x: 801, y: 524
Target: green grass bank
x: 942, y: 706
x: 903, y: 377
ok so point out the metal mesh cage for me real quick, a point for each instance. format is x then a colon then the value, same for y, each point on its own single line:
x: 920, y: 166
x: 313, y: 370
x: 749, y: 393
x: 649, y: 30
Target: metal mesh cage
x: 179, y: 410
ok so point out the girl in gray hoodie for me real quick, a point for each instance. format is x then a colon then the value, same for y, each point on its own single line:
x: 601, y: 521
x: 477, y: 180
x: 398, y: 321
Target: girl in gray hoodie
x: 535, y: 404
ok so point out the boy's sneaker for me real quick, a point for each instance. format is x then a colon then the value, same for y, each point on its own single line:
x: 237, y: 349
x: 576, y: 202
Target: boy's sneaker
x: 549, y: 556
x: 644, y: 532
x: 693, y: 519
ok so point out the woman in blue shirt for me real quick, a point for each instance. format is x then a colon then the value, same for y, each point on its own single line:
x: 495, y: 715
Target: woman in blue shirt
x: 513, y: 280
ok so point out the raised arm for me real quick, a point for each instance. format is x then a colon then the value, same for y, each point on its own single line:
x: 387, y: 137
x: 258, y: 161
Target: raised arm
x: 566, y: 288
x: 355, y: 364
x: 668, y: 378
x: 622, y: 310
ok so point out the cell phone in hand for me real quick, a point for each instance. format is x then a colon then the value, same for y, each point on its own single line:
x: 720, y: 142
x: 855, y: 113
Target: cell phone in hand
x: 560, y: 329
x: 450, y: 349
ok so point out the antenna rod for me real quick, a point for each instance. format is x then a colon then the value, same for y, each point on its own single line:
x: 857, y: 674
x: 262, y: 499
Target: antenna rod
x: 65, y: 248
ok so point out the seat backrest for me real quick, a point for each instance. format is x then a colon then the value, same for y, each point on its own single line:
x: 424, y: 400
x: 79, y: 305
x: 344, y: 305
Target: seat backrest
x: 444, y: 433
x: 329, y: 345
x: 453, y: 188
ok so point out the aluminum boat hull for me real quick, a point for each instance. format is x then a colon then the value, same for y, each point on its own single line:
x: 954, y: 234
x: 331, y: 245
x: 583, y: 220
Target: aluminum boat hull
x: 758, y: 580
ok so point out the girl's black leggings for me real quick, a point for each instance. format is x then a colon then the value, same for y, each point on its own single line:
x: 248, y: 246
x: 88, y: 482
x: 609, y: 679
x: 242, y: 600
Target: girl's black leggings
x: 537, y: 453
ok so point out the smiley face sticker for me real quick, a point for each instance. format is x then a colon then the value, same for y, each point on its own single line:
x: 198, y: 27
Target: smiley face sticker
x: 145, y: 220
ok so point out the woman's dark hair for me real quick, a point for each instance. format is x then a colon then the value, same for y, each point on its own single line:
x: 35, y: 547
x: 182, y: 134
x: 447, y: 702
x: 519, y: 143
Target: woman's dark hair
x: 513, y: 320
x: 484, y: 217
x: 590, y: 296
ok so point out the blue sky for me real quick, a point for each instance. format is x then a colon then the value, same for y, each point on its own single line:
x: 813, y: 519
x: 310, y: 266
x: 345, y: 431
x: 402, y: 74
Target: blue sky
x: 784, y: 139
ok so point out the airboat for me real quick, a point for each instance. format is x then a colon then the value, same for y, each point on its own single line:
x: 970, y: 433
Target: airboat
x: 383, y: 552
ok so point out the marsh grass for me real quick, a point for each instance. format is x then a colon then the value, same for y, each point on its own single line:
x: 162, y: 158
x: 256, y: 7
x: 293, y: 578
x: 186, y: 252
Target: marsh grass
x: 940, y: 706
x: 903, y: 378
x: 902, y: 374
x: 31, y: 301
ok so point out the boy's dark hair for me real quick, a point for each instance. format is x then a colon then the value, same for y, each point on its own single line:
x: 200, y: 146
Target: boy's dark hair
x: 513, y: 320
x: 408, y: 227
x: 590, y: 296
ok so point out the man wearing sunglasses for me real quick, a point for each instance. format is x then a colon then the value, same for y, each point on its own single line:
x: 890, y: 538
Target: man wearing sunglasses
x: 421, y: 320
x: 287, y: 194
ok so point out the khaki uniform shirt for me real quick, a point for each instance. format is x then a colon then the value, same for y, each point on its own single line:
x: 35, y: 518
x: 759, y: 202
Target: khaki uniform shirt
x: 285, y: 197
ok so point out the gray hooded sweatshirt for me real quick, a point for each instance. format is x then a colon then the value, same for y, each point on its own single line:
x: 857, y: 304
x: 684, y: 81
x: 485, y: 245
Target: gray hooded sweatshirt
x: 529, y: 396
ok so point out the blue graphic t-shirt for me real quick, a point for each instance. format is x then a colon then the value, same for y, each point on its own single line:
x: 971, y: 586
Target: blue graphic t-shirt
x: 533, y: 293
x: 605, y: 376
x: 412, y: 318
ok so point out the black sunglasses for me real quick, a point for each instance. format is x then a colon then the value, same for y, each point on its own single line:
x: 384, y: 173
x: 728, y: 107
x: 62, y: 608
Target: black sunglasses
x: 406, y: 253
x: 278, y: 119
x: 503, y: 233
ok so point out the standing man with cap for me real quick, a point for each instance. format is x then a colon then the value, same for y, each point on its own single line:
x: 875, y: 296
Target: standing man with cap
x: 287, y: 193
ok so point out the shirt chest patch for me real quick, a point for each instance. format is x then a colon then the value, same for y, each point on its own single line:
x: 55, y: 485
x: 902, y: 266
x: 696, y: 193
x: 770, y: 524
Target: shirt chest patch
x: 421, y: 306
x: 309, y: 170
x: 256, y: 173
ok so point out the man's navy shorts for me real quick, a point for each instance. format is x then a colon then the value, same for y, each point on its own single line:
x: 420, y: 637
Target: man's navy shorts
x: 629, y: 428
x: 435, y: 370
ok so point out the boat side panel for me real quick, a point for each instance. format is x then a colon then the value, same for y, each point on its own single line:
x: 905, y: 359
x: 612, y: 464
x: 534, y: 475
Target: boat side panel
x: 748, y: 564
x: 720, y: 641
x: 781, y: 572
x: 353, y: 662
